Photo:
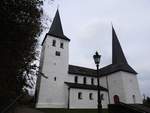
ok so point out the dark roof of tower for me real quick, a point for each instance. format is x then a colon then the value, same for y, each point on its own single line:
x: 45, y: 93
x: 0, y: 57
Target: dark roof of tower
x: 117, y: 53
x: 56, y: 28
x: 112, y: 68
x: 118, y: 57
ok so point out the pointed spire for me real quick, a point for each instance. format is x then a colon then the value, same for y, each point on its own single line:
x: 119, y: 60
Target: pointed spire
x: 56, y: 28
x: 117, y: 53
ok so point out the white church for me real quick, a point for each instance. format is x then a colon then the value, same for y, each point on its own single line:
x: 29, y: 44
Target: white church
x: 75, y: 87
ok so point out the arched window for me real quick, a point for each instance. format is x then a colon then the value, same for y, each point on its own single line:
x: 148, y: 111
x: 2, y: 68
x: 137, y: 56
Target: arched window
x: 91, y: 96
x: 84, y: 80
x: 102, y: 96
x: 76, y: 79
x: 133, y: 96
x: 92, y: 81
x: 54, y: 78
x: 79, y: 95
x: 54, y: 43
x: 61, y: 45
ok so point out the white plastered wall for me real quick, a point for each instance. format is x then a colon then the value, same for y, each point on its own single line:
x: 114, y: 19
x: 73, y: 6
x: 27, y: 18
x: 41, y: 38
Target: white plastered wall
x: 54, y: 94
x: 71, y: 78
x: 131, y: 88
x: 85, y: 102
x: 116, y: 87
x: 125, y: 85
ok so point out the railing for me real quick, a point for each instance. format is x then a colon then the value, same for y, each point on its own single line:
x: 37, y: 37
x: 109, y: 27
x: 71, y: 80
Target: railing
x: 12, y: 104
x: 133, y: 108
x: 126, y: 108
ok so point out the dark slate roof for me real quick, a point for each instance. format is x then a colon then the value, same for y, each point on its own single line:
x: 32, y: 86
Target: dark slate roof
x: 107, y: 70
x: 115, y: 68
x: 81, y: 71
x: 117, y: 53
x: 56, y: 28
x: 85, y: 86
x: 118, y: 58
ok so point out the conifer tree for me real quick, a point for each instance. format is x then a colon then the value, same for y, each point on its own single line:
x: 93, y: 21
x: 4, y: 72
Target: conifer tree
x: 20, y: 27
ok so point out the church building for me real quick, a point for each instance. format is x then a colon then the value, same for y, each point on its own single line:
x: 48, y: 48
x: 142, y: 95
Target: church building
x: 75, y: 87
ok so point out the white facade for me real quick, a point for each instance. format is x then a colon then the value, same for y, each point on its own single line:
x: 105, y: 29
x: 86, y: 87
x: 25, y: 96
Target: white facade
x: 71, y: 78
x: 131, y: 87
x: 86, y: 102
x: 53, y: 92
x: 124, y: 85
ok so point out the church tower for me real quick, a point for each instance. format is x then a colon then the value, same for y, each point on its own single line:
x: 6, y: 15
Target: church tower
x: 54, y: 65
x: 123, y: 84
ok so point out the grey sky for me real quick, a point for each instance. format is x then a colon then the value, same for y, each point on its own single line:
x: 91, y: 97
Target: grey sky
x: 88, y: 24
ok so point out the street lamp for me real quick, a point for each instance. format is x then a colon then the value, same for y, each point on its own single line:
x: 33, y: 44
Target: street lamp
x: 96, y: 58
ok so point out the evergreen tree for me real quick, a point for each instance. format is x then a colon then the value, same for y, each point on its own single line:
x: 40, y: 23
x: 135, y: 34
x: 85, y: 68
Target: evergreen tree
x: 146, y: 101
x: 20, y: 25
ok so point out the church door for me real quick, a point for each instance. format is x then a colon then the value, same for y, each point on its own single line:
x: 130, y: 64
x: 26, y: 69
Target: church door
x: 116, y: 99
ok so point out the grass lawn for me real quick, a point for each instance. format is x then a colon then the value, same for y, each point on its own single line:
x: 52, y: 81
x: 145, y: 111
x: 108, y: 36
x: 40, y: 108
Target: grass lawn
x: 47, y: 110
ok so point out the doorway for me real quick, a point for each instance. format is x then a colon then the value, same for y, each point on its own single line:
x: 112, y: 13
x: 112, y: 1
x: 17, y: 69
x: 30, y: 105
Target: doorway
x: 133, y: 96
x: 116, y: 99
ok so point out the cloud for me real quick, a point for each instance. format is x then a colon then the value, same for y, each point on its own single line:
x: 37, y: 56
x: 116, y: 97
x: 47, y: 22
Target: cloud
x: 94, y: 36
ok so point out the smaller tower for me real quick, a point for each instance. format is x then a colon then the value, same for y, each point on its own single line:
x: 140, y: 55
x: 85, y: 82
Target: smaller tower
x: 52, y: 91
x: 123, y: 84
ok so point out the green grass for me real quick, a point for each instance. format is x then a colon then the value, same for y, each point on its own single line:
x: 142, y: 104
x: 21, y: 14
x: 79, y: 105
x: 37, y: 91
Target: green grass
x: 47, y: 110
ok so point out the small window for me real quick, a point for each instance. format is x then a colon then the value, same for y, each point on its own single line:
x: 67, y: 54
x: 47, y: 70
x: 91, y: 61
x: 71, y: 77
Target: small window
x: 61, y: 45
x: 102, y: 96
x: 92, y: 81
x: 57, y: 53
x: 54, y: 78
x: 84, y: 80
x: 76, y: 79
x: 91, y: 96
x: 54, y: 43
x: 79, y: 95
x: 134, y: 100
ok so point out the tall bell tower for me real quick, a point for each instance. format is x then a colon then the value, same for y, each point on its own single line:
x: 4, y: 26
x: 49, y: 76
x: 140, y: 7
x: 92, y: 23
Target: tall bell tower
x: 52, y: 92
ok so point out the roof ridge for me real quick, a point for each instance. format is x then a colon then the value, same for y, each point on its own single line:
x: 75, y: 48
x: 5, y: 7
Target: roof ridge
x: 82, y: 67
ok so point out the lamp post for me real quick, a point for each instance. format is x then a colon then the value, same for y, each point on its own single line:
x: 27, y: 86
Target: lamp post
x: 96, y: 58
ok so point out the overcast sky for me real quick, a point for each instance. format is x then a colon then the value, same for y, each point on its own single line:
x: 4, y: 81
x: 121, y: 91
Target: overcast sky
x: 88, y: 24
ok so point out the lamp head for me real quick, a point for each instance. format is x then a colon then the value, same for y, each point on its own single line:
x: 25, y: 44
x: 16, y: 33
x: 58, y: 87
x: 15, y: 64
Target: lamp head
x: 96, y: 58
